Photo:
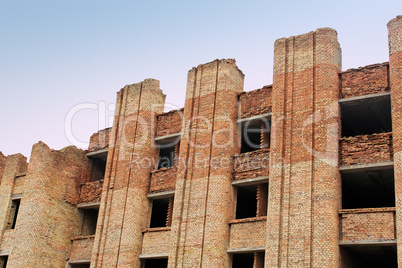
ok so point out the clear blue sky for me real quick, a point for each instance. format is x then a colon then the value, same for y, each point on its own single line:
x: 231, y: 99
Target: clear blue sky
x: 55, y: 55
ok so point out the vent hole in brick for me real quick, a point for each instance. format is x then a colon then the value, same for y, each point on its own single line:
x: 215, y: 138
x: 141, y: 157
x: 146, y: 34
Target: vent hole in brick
x: 156, y: 263
x: 366, y: 116
x: 161, y: 212
x: 368, y: 189
x: 369, y: 256
x: 246, y: 206
x: 89, y: 222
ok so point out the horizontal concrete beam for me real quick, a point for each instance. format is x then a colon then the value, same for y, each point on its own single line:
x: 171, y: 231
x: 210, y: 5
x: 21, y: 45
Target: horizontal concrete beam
x: 98, y: 153
x: 245, y: 250
x: 256, y: 180
x: 368, y: 242
x: 88, y: 205
x: 364, y: 167
x: 154, y: 256
x: 253, y: 118
x: 365, y: 97
x: 79, y: 261
x: 161, y: 195
x: 167, y: 138
x: 16, y: 196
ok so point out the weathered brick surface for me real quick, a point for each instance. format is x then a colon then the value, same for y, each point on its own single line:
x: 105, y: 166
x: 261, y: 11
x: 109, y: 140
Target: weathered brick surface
x: 253, y: 160
x: 250, y: 174
x: 163, y: 179
x: 91, y: 192
x: 81, y: 248
x: 395, y: 78
x: 367, y: 224
x: 156, y: 241
x: 169, y: 123
x: 255, y: 102
x: 365, y: 80
x: 19, y: 184
x: 248, y: 233
x: 3, y: 160
x: 99, y: 140
x: 48, y: 218
x: 366, y: 149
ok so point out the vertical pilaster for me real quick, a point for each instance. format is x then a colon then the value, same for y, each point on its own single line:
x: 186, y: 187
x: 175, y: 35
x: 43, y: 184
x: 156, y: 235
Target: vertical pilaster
x: 304, y: 180
x: 395, y: 79
x: 203, y: 197
x: 132, y: 156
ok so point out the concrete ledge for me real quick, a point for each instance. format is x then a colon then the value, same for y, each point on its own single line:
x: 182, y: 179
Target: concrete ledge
x: 365, y: 167
x: 365, y: 97
x: 4, y: 253
x: 89, y: 205
x: 368, y: 242
x: 167, y: 138
x: 246, y: 250
x: 79, y: 261
x: 16, y: 196
x: 161, y: 195
x: 253, y: 118
x: 256, y: 180
x: 98, y: 153
x: 154, y: 256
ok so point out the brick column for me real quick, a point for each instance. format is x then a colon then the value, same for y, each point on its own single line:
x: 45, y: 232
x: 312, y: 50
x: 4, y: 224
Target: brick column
x: 204, y: 195
x: 48, y: 218
x: 395, y: 77
x: 3, y: 160
x: 304, y: 183
x: 15, y: 165
x: 124, y: 208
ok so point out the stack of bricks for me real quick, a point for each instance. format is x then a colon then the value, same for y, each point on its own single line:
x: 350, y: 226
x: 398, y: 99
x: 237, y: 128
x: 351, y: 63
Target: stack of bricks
x: 366, y: 149
x: 365, y: 80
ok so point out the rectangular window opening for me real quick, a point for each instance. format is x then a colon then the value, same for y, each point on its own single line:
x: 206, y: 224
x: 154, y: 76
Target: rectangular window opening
x: 155, y: 263
x: 97, y: 168
x: 254, y: 136
x: 15, y: 206
x: 79, y: 265
x: 248, y: 260
x: 252, y: 201
x: 3, y: 261
x: 161, y: 215
x: 369, y: 256
x: 368, y: 189
x: 89, y: 222
x: 168, y: 155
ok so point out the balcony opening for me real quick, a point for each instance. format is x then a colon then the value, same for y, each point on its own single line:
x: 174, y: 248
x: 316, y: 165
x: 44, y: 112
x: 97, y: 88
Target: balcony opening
x: 97, y: 166
x: 252, y: 201
x: 155, y: 263
x: 14, y: 209
x: 369, y: 256
x: 248, y: 260
x: 168, y: 155
x: 3, y: 261
x: 161, y: 215
x: 366, y: 116
x: 255, y: 135
x: 79, y: 265
x: 372, y: 188
x: 89, y: 221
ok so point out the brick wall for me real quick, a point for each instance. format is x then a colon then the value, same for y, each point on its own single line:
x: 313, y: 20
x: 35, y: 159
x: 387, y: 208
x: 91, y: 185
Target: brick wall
x: 169, y: 123
x: 365, y: 80
x: 3, y: 160
x: 367, y: 224
x: 255, y: 102
x: 247, y: 233
x: 163, y: 179
x: 99, y: 140
x: 365, y: 149
x: 253, y: 160
x: 91, y: 192
x: 81, y: 248
x: 156, y: 241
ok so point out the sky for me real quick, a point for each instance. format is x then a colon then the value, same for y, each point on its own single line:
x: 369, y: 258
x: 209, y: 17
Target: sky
x: 62, y: 62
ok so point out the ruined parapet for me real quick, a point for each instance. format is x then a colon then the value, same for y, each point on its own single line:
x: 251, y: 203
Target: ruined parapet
x: 99, y: 140
x: 3, y: 160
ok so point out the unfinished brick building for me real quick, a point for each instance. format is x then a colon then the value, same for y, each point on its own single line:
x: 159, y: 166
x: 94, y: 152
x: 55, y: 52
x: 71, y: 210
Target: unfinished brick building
x: 306, y: 172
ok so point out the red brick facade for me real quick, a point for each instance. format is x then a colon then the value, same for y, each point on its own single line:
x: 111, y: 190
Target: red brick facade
x: 253, y: 179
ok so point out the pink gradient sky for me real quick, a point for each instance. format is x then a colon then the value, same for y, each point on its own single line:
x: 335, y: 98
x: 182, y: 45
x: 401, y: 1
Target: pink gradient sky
x: 55, y: 55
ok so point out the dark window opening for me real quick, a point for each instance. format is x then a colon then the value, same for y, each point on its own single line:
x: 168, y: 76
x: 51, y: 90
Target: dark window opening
x: 246, y: 206
x: 369, y: 256
x: 368, y: 189
x: 15, y: 206
x: 366, y: 117
x: 97, y: 168
x: 3, y: 261
x: 156, y: 263
x: 89, y: 222
x: 161, y: 215
x: 248, y: 260
x: 254, y: 136
x: 262, y: 199
x: 167, y: 155
x: 80, y: 265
